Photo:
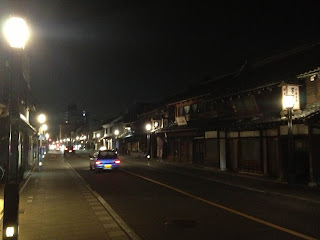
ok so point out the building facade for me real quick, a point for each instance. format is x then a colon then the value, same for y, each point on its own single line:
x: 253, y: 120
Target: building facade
x: 237, y: 121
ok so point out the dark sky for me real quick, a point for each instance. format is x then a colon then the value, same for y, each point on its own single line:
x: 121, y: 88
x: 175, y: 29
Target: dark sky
x: 103, y: 55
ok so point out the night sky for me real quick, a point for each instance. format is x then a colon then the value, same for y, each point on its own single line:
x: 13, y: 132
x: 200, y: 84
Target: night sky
x: 104, y: 55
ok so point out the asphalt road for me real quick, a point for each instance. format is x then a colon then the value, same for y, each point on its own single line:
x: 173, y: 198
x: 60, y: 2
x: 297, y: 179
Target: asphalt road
x: 158, y: 203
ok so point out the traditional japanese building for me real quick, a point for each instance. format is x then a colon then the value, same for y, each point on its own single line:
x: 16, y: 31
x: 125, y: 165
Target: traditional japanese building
x: 237, y: 121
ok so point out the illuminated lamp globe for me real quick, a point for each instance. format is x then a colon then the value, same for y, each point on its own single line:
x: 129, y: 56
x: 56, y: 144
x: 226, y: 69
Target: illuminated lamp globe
x: 288, y: 101
x: 42, y: 118
x: 148, y: 126
x: 44, y: 127
x: 16, y: 32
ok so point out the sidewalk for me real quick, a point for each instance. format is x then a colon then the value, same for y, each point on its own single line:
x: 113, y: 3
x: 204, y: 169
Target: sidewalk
x: 56, y: 204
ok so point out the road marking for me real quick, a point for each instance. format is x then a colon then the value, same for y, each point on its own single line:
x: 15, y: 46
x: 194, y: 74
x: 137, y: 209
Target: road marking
x: 109, y: 209
x: 283, y: 229
x: 255, y: 189
x: 238, y: 186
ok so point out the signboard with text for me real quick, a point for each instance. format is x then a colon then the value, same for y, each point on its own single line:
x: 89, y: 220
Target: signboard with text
x: 181, y: 121
x: 294, y: 91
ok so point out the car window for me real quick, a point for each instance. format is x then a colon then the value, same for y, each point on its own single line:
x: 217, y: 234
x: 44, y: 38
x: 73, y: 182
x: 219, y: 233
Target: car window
x: 107, y: 154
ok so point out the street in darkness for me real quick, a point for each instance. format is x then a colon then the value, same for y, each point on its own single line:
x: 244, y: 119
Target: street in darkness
x: 158, y: 201
x: 205, y: 116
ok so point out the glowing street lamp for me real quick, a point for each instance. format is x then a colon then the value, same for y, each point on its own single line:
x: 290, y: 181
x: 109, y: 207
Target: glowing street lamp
x: 148, y: 128
x: 288, y: 102
x: 16, y: 32
x: 44, y: 127
x: 42, y: 118
x: 116, y: 132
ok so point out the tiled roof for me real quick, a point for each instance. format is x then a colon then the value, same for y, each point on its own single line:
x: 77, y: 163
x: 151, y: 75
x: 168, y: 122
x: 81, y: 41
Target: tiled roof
x: 284, y: 67
x: 259, y: 74
x: 271, y: 119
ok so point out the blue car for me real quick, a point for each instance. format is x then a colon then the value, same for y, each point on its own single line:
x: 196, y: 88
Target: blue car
x: 104, y: 160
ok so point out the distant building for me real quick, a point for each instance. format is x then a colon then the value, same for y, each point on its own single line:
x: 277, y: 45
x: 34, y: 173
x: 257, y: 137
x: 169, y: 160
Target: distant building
x: 71, y: 120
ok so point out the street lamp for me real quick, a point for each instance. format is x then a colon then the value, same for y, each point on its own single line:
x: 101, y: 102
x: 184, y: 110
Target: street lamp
x: 116, y: 132
x: 288, y: 103
x: 16, y: 32
x: 43, y: 127
x: 42, y: 118
x: 148, y: 128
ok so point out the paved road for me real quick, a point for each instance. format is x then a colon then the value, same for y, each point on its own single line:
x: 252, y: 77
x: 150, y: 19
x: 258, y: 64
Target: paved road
x: 158, y: 202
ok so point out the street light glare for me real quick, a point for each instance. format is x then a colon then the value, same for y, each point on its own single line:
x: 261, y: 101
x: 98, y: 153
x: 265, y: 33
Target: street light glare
x: 42, y: 118
x: 288, y: 101
x: 148, y: 127
x: 44, y: 127
x: 10, y: 232
x: 16, y: 31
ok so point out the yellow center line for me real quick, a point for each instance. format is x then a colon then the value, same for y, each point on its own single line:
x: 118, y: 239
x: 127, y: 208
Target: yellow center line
x: 283, y: 229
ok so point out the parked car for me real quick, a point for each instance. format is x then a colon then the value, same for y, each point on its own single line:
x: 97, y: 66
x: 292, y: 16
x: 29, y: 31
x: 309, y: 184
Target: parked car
x: 104, y: 160
x: 69, y: 149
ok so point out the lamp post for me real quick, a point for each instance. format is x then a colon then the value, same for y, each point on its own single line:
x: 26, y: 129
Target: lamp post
x: 41, y: 119
x: 16, y: 32
x: 148, y: 128
x: 116, y: 133
x: 288, y: 103
x: 43, y: 127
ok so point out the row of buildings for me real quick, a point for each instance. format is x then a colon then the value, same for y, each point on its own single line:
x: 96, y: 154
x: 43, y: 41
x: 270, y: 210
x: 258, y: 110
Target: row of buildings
x: 236, y: 121
x: 231, y: 122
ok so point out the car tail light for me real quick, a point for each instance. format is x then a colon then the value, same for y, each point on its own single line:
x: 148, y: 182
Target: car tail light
x: 117, y: 161
x: 98, y: 162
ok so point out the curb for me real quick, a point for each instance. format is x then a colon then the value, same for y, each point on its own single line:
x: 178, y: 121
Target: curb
x: 126, y: 229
